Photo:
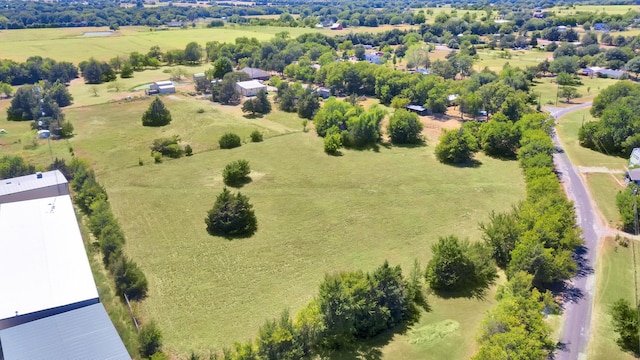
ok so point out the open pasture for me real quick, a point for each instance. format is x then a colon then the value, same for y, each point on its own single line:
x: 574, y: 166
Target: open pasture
x: 609, y: 9
x: 316, y: 214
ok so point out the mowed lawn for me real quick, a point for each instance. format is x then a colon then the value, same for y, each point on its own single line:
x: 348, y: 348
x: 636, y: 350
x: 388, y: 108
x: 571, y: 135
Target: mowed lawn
x: 568, y: 127
x: 615, y: 280
x: 316, y: 213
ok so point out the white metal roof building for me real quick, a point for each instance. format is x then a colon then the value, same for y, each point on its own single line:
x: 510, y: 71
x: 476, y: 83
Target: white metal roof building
x: 250, y: 88
x: 85, y: 333
x: 49, y: 183
x: 43, y: 263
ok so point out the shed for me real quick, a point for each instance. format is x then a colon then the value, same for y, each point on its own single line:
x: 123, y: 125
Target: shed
x: 256, y: 74
x: 373, y: 57
x: 336, y: 26
x: 250, y: 88
x: 34, y: 186
x: 420, y: 110
x: 324, y: 92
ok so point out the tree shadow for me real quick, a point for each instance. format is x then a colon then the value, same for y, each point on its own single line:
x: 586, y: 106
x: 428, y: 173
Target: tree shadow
x: 240, y: 183
x: 469, y: 164
x: 253, y: 116
x: 567, y: 292
x: 471, y: 292
x: 584, y: 267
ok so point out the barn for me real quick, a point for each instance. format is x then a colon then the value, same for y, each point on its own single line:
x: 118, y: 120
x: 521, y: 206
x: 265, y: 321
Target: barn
x: 162, y: 87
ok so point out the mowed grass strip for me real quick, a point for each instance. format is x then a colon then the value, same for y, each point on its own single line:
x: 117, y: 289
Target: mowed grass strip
x: 316, y: 214
x: 568, y: 127
x: 614, y: 277
x: 604, y: 188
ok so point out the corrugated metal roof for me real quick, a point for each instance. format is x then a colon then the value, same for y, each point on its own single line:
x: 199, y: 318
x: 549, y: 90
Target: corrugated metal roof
x: 85, y: 333
x: 31, y: 182
x: 43, y: 262
x: 634, y: 174
x: 251, y: 84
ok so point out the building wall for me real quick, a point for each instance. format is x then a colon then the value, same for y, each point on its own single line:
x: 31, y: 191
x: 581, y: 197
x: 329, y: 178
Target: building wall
x: 49, y: 191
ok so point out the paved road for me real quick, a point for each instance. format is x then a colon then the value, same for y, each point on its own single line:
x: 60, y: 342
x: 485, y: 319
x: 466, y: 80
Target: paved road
x: 579, y: 292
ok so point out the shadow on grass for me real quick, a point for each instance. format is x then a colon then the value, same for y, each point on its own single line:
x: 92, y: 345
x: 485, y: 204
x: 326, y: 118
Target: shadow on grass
x: 240, y: 183
x: 234, y: 236
x: 471, y: 292
x: 252, y: 116
x: 469, y: 164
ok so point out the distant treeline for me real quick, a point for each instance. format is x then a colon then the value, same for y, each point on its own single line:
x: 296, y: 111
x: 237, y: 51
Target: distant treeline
x: 26, y: 14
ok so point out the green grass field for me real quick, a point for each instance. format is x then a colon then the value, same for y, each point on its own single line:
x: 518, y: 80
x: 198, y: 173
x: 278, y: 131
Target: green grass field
x: 68, y: 44
x: 614, y: 277
x: 568, y: 127
x: 609, y: 9
x: 316, y: 214
x: 604, y: 188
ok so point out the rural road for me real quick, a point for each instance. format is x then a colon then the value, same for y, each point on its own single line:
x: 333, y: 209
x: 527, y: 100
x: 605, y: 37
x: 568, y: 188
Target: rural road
x: 578, y: 292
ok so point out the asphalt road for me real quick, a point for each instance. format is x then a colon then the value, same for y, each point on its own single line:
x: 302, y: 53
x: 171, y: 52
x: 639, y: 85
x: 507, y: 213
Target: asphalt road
x: 578, y: 292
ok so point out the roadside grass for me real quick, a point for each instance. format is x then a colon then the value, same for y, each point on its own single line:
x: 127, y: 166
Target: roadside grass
x: 614, y: 278
x: 317, y: 214
x: 568, y: 127
x: 604, y: 188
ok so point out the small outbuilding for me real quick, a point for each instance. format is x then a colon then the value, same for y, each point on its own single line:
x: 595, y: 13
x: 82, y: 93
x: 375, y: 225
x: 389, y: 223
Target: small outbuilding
x: 420, y: 110
x: 250, y: 88
x: 324, y: 92
x: 161, y: 87
x: 336, y: 26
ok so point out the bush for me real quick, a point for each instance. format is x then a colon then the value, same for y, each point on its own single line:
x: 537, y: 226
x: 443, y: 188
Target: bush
x: 229, y: 141
x: 256, y: 136
x: 404, y: 127
x: 188, y: 151
x: 231, y: 216
x: 129, y: 278
x: 149, y: 340
x: 157, y: 157
x: 456, y: 147
x: 332, y: 142
x: 235, y: 172
x: 167, y: 147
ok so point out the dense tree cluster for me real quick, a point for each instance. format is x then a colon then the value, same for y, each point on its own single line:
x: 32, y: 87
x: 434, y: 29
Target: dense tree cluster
x: 14, y: 166
x: 350, y: 307
x: 36, y: 69
x: 618, y: 129
x: 460, y: 267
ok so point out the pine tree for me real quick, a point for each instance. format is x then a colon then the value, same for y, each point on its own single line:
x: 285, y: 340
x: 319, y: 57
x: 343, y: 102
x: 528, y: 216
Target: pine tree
x: 157, y: 114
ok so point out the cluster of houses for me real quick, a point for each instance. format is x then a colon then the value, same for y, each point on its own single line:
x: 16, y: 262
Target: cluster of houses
x: 50, y: 308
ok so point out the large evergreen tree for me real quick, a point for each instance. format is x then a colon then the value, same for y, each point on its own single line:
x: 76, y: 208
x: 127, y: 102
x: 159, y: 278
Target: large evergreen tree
x: 157, y: 114
x: 231, y: 215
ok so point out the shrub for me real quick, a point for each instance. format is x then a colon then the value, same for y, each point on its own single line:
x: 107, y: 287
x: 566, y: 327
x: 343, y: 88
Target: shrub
x: 149, y: 340
x: 188, y: 151
x: 332, y: 142
x: 236, y: 172
x: 256, y: 136
x: 456, y: 146
x: 229, y: 141
x: 129, y: 278
x: 157, y: 157
x: 231, y: 215
x: 404, y: 127
x: 167, y: 147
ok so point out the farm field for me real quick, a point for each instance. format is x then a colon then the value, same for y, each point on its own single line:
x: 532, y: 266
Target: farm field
x: 69, y: 44
x: 609, y: 9
x: 316, y: 214
x: 614, y: 277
